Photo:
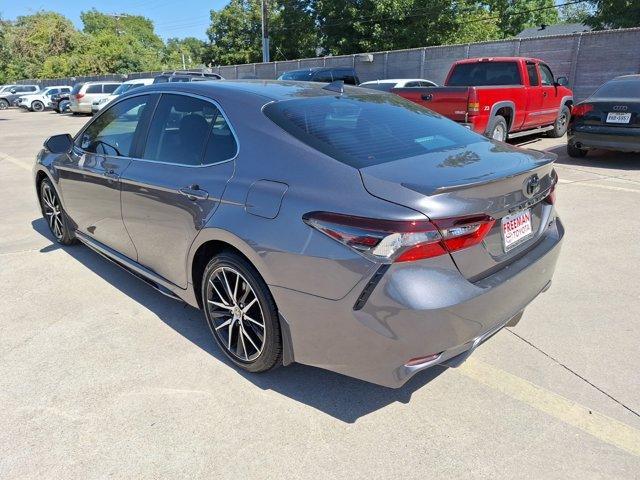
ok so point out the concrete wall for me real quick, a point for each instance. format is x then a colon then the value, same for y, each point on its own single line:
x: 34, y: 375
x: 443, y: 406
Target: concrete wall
x: 588, y: 59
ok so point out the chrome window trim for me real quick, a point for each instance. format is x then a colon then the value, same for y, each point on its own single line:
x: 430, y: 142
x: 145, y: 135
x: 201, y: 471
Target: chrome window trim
x: 169, y: 92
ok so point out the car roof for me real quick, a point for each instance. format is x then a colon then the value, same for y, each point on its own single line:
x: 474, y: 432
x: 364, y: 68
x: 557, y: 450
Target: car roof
x: 396, y: 80
x: 318, y: 69
x: 498, y: 59
x: 270, y: 90
x: 139, y: 80
x: 633, y: 76
x: 98, y: 82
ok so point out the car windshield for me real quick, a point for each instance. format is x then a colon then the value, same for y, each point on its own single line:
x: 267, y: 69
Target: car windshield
x: 628, y: 88
x: 383, y: 87
x: 485, y: 73
x: 76, y: 88
x: 367, y: 129
x: 297, y: 75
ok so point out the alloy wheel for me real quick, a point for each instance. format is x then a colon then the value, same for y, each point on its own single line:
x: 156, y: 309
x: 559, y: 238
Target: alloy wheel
x: 499, y: 133
x: 37, y: 106
x: 236, y: 314
x: 52, y: 211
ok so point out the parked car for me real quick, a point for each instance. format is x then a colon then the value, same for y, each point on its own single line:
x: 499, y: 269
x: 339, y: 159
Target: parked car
x: 323, y: 74
x: 124, y: 87
x: 39, y: 101
x: 9, y: 97
x: 60, y: 102
x: 500, y: 97
x: 609, y: 119
x: 364, y: 245
x: 84, y: 94
x: 186, y: 76
x: 388, y: 84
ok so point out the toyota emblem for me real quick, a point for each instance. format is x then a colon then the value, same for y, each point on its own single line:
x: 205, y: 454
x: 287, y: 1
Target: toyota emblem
x: 531, y: 185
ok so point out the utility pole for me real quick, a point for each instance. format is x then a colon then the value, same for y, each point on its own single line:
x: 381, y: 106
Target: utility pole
x: 184, y: 65
x: 265, y: 32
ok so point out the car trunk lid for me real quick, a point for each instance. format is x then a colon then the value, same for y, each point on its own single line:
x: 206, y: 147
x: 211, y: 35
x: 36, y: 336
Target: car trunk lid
x: 483, y: 178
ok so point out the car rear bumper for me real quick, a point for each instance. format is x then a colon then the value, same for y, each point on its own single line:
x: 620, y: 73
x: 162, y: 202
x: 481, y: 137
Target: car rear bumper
x: 416, y: 310
x: 624, y: 139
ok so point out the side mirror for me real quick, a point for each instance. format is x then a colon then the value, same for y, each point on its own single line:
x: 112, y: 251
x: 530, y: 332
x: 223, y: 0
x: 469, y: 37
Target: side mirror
x: 13, y: 90
x: 562, y: 81
x: 59, y: 143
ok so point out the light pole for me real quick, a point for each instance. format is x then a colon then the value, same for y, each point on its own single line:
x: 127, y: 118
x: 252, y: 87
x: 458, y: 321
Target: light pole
x: 265, y: 32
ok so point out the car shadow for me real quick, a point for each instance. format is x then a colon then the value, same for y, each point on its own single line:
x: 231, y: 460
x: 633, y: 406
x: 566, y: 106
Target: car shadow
x: 344, y: 398
x: 599, y: 159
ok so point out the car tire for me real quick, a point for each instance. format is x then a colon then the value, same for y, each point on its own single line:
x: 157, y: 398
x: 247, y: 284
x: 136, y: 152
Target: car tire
x: 562, y: 123
x: 54, y: 214
x: 3, y: 104
x: 37, y: 106
x: 241, y: 313
x: 498, y: 129
x: 575, y: 152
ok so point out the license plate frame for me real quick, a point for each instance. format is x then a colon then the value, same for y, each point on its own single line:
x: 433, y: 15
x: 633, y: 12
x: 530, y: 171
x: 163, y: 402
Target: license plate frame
x: 516, y: 229
x: 622, y: 118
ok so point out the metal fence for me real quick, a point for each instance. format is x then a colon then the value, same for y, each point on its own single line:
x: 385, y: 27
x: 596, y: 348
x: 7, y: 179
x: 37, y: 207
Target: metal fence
x: 588, y: 59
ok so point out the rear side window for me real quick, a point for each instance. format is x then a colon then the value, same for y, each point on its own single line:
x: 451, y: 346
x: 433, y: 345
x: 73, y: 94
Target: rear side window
x: 304, y: 75
x: 188, y: 131
x: 94, y: 89
x: 532, y: 71
x: 364, y: 130
x: 346, y: 75
x: 485, y: 74
x: 110, y: 87
x: 112, y: 133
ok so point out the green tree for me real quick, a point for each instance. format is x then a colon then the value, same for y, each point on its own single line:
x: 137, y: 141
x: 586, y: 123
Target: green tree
x: 614, y: 14
x: 192, y: 48
x: 516, y: 15
x: 575, y: 13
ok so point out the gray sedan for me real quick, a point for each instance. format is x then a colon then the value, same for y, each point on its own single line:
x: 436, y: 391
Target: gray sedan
x: 332, y: 226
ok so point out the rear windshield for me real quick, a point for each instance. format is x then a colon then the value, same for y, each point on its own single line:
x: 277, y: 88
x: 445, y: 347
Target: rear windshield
x: 485, y: 73
x: 369, y: 129
x: 76, y: 88
x: 619, y: 89
x: 383, y: 87
x: 297, y: 75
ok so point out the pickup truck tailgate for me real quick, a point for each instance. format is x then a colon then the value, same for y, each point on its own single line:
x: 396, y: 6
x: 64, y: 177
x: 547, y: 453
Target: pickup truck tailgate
x: 450, y: 102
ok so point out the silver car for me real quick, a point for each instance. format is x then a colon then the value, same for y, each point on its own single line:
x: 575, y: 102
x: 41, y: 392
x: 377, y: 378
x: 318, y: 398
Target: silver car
x: 332, y: 226
x: 84, y: 94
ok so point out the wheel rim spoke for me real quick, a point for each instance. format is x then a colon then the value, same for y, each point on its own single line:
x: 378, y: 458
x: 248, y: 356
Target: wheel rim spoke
x: 242, y: 335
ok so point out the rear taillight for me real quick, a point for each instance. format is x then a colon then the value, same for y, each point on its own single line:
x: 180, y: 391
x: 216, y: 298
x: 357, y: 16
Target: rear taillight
x: 581, y: 109
x: 79, y: 96
x: 473, y: 105
x: 551, y: 196
x: 390, y: 241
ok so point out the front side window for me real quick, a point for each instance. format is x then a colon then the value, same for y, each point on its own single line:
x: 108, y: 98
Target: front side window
x: 367, y: 129
x: 112, y: 133
x: 323, y: 76
x: 485, y: 74
x: 547, y: 76
x: 188, y: 131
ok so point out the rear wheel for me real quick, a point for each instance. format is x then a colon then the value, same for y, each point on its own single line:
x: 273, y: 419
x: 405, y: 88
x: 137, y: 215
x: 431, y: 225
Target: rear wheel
x: 498, y: 129
x: 37, y: 106
x: 241, y: 313
x: 54, y: 214
x: 562, y: 122
x: 3, y: 104
x: 575, y: 152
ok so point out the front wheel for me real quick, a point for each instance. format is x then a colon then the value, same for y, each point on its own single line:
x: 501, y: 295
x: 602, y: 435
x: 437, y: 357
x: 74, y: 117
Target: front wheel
x: 3, y: 104
x: 498, y: 129
x: 37, y: 106
x: 562, y: 123
x: 241, y: 313
x: 54, y: 214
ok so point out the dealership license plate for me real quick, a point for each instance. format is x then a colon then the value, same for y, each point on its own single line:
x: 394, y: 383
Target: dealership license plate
x: 516, y: 229
x: 613, y: 117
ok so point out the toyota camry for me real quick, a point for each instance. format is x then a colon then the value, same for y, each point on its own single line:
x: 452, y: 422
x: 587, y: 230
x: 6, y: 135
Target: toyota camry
x: 323, y: 224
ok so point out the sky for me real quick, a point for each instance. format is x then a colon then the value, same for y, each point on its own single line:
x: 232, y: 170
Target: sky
x: 171, y: 18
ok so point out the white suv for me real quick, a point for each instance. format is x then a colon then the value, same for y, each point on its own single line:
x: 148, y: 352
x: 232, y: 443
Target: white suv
x: 37, y: 102
x: 84, y: 94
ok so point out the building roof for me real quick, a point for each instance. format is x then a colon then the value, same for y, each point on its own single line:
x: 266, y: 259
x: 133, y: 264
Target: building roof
x: 558, y: 29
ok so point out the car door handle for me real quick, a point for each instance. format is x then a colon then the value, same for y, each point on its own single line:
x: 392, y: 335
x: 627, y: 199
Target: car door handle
x: 193, y: 192
x: 427, y: 97
x: 544, y: 94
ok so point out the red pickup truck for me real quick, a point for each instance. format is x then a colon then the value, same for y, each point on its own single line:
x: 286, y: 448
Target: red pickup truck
x: 500, y: 97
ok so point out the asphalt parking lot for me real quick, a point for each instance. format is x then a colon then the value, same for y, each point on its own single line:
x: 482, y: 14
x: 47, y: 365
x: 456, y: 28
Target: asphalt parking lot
x: 101, y: 376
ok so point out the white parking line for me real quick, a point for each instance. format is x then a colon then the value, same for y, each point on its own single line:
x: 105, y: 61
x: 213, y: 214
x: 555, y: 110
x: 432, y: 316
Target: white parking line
x: 597, y: 185
x: 600, y: 426
x: 15, y: 161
